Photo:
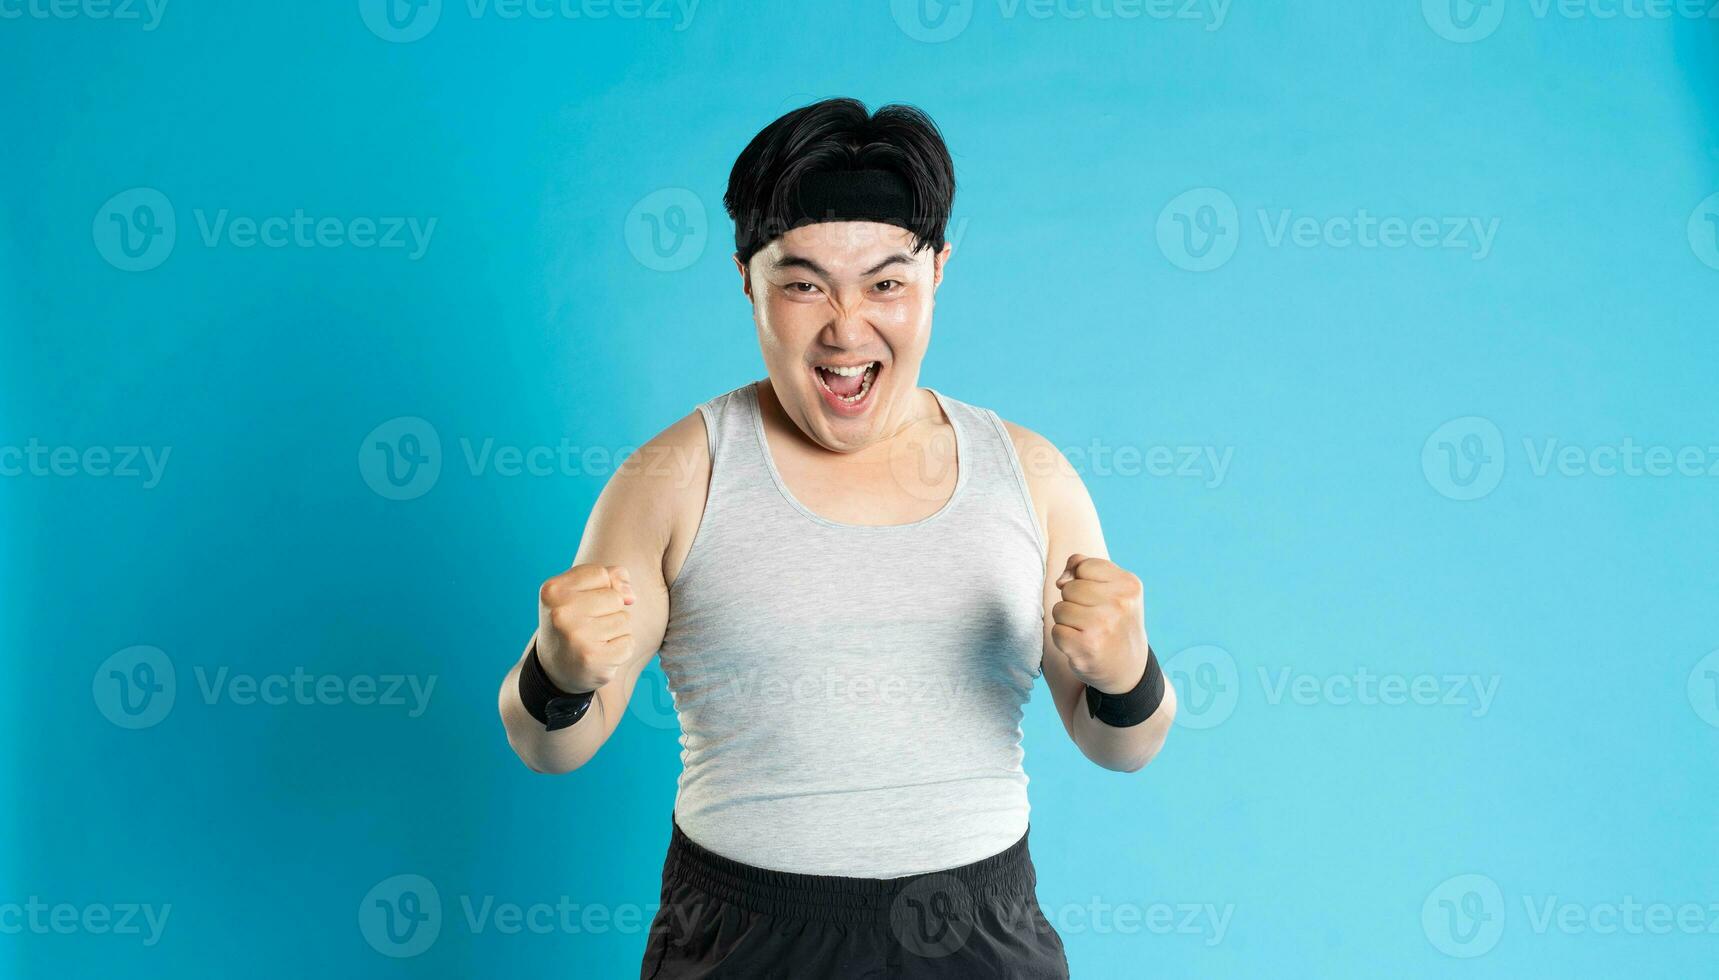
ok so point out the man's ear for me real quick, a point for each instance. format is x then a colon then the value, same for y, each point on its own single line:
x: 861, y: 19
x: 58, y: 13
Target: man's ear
x: 937, y: 262
x: 745, y: 276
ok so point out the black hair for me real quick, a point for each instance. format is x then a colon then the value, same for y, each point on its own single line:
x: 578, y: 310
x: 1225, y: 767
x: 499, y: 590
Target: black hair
x: 831, y: 136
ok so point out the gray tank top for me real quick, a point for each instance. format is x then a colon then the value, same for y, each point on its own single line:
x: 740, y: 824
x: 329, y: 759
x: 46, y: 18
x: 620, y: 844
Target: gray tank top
x: 850, y: 697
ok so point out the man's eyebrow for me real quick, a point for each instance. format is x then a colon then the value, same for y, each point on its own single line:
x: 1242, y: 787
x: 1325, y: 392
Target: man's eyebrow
x: 886, y: 263
x: 801, y: 262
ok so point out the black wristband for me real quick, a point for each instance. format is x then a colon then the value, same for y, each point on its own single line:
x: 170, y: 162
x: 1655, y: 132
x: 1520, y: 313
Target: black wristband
x: 1133, y: 707
x: 553, y: 708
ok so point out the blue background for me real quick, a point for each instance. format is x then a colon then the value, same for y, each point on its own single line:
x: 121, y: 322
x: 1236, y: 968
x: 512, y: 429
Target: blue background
x: 536, y: 314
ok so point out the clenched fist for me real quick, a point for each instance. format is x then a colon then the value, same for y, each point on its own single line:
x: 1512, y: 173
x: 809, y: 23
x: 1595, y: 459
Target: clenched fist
x: 584, y: 629
x: 1100, y: 624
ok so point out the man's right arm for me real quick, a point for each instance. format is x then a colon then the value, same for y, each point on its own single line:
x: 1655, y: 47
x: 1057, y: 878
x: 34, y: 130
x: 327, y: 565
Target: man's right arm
x: 589, y: 635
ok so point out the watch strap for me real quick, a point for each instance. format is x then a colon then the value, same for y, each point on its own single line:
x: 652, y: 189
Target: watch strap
x: 1131, y: 707
x: 553, y: 708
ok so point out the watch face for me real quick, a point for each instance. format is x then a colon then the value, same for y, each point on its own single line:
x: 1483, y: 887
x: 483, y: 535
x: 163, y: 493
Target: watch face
x: 565, y: 711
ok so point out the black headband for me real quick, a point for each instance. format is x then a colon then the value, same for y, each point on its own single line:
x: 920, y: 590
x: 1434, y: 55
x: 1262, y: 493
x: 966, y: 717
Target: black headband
x: 883, y: 196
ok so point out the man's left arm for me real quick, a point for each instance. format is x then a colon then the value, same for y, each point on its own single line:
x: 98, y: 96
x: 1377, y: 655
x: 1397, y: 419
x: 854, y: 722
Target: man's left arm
x: 1094, y: 614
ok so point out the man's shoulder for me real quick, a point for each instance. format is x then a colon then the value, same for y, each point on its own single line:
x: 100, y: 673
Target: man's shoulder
x: 1043, y: 464
x: 1026, y: 440
x: 1053, y: 484
x: 672, y: 464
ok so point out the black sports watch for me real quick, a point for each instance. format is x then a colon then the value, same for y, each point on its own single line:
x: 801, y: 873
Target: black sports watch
x: 553, y: 708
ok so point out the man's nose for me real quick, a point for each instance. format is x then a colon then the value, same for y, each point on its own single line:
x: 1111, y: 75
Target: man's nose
x: 848, y: 326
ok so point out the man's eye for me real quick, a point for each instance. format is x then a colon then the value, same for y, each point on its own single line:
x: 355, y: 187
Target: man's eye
x: 889, y: 285
x: 795, y: 288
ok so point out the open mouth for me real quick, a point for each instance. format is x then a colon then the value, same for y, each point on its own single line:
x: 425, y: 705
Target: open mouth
x: 847, y: 385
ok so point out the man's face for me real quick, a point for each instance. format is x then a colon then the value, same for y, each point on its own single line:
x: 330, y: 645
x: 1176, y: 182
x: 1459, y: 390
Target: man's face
x: 843, y: 310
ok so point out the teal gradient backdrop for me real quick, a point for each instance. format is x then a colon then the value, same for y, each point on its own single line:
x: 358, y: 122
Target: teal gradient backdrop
x: 1426, y: 507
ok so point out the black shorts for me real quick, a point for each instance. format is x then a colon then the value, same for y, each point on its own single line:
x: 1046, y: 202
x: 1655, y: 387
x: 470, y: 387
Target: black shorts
x: 723, y: 919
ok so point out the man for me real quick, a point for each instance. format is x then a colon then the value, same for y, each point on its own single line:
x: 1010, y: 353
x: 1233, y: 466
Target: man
x: 853, y: 582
